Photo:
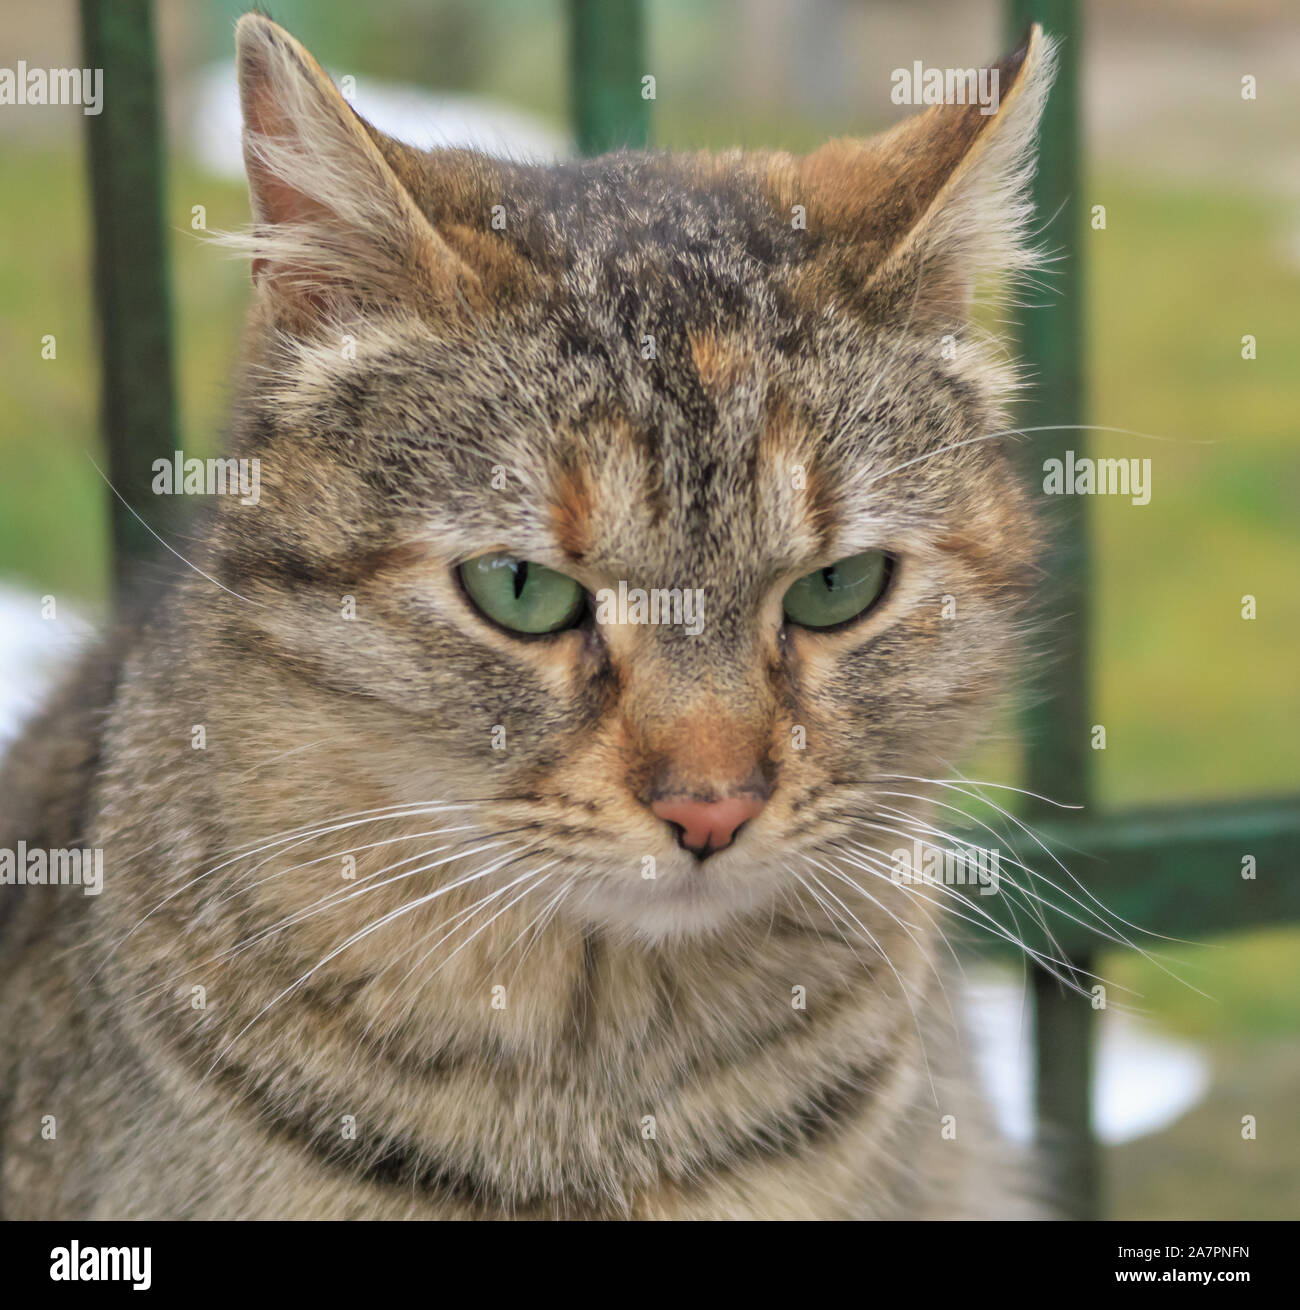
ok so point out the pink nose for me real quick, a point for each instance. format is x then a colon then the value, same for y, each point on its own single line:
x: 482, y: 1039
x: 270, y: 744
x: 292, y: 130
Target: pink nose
x: 707, y: 826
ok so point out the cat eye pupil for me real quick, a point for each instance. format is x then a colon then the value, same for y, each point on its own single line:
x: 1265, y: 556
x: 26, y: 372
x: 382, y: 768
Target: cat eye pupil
x: 838, y: 593
x: 521, y: 595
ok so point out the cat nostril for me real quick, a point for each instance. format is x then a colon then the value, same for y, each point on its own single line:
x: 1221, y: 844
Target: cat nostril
x: 705, y: 827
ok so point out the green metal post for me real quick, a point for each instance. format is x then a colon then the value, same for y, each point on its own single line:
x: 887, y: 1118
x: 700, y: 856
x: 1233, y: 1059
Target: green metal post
x: 610, y: 98
x: 1058, y: 727
x: 124, y: 141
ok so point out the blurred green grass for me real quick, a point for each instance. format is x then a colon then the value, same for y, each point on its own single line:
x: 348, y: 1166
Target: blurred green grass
x: 53, y: 507
x: 1196, y: 701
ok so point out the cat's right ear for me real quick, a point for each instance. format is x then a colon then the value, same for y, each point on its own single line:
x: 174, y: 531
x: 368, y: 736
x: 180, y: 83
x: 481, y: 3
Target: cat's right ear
x: 918, y: 214
x: 334, y: 229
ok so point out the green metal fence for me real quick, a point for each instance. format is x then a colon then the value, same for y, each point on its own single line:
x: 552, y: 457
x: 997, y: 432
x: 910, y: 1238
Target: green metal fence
x: 132, y: 292
x: 1173, y: 870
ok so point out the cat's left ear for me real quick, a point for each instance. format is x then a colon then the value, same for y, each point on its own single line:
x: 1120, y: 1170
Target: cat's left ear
x: 917, y: 214
x: 334, y: 226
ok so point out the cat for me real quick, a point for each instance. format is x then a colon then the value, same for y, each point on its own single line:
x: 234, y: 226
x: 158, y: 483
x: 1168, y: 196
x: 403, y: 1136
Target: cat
x: 426, y: 893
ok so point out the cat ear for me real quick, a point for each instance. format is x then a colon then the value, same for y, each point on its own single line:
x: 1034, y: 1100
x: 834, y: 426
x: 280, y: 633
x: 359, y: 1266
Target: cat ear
x: 923, y: 210
x: 333, y: 224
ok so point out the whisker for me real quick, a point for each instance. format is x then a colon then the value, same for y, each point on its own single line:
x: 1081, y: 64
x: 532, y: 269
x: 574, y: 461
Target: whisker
x: 385, y: 919
x: 1107, y: 930
x: 459, y: 918
x: 539, y: 925
x: 989, y: 923
x: 532, y: 886
x: 244, y: 888
x: 862, y: 891
x: 918, y: 826
x: 380, y: 812
x: 333, y: 902
x: 1048, y: 851
x: 907, y: 998
x: 915, y: 832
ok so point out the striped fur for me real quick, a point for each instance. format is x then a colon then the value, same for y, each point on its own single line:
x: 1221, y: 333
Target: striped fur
x: 496, y: 1013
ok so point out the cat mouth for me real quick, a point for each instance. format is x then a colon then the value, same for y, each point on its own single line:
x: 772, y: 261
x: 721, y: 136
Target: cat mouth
x: 683, y: 896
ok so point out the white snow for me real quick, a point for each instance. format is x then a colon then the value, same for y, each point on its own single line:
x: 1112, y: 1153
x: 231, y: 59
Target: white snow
x: 1143, y: 1078
x: 33, y: 650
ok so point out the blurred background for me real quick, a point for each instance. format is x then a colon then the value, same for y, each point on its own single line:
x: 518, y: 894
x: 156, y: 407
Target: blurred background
x: 1202, y: 246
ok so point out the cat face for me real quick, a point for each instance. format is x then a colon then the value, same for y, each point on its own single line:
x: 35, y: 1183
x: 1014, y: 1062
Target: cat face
x: 667, y: 389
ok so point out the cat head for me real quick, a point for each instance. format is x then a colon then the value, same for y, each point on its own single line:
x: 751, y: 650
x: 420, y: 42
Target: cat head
x: 649, y: 504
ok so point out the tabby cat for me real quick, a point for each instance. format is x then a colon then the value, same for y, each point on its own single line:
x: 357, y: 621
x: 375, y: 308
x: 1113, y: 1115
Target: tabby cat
x: 497, y: 816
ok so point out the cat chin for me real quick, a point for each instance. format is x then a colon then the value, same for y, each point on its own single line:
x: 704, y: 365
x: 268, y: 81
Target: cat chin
x: 686, y: 906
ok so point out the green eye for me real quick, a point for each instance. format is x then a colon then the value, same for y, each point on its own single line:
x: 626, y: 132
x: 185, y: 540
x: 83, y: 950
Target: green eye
x: 521, y: 595
x: 839, y: 592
